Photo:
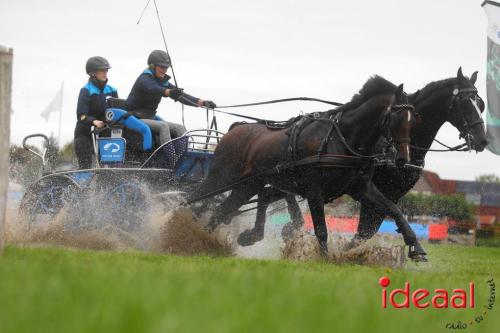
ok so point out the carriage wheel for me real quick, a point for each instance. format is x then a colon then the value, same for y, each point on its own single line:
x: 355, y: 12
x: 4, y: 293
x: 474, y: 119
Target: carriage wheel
x: 43, y: 202
x: 126, y: 204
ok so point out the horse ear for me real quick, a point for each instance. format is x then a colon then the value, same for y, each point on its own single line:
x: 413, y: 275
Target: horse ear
x: 473, y: 77
x: 460, y: 75
x: 416, y: 94
x: 399, y: 90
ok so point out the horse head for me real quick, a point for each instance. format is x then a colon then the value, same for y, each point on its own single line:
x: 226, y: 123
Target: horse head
x: 465, y: 111
x: 397, y: 125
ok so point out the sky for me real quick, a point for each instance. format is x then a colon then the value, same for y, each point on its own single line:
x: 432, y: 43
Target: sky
x: 234, y: 51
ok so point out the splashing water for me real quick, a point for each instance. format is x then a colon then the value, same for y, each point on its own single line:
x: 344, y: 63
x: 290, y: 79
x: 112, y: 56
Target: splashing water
x: 166, y: 227
x: 376, y: 252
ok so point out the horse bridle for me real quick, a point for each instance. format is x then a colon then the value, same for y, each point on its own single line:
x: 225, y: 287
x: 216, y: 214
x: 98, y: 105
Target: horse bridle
x: 386, y: 123
x: 460, y: 94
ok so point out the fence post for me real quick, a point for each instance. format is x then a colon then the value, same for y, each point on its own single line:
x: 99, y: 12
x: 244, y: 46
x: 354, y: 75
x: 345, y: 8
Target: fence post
x: 6, y: 55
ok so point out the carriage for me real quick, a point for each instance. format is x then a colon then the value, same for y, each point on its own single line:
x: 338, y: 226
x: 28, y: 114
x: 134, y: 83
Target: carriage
x: 130, y: 171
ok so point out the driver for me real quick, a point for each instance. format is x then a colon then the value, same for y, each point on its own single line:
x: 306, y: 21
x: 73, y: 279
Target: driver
x: 147, y: 92
x: 91, y: 108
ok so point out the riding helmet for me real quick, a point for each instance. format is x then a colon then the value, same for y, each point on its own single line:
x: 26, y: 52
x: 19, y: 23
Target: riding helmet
x: 159, y: 58
x: 96, y: 63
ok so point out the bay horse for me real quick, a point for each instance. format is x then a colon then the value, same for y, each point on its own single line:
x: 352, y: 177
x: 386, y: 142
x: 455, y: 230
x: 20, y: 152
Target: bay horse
x: 332, y: 154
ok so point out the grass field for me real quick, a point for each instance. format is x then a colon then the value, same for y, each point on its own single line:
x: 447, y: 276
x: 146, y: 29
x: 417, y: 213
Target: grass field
x: 60, y: 290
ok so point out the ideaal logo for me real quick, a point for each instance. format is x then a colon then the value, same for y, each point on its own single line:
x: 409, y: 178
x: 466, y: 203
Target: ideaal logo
x: 421, y: 298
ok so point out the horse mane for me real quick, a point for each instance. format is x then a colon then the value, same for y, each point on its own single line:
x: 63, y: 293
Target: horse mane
x: 431, y: 88
x: 376, y: 85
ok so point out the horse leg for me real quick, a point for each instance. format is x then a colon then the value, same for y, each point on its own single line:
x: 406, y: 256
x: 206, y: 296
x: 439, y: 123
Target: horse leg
x: 297, y: 221
x: 225, y: 212
x: 369, y: 223
x: 255, y: 234
x: 266, y: 196
x: 317, y: 208
x: 374, y: 199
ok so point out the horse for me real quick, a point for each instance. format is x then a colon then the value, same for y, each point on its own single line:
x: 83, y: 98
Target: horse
x: 454, y: 100
x: 315, y: 158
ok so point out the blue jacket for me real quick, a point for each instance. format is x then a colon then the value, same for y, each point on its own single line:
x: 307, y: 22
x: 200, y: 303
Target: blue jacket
x: 92, y: 101
x: 148, y: 90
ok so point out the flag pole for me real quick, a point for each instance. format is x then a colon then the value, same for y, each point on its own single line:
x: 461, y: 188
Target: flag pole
x: 60, y: 115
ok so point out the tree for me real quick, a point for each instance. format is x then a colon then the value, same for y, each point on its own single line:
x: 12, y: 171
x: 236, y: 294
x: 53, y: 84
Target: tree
x: 488, y: 178
x: 24, y: 166
x: 452, y: 206
x: 67, y: 153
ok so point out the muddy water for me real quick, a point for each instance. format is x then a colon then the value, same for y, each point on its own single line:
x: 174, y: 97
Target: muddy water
x: 172, y: 229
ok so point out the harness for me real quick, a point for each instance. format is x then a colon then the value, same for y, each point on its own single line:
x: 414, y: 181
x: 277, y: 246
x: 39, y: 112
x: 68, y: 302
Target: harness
x: 320, y: 159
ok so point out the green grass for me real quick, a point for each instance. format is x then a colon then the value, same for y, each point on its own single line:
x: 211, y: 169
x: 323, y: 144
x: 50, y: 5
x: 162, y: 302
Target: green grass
x: 58, y: 290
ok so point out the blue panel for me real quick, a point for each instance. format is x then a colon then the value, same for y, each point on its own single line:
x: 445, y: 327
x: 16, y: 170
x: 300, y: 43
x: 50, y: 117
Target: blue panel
x: 193, y: 165
x: 111, y: 150
x: 389, y: 227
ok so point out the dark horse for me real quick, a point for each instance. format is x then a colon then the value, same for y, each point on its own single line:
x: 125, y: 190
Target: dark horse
x: 331, y: 154
x: 454, y: 100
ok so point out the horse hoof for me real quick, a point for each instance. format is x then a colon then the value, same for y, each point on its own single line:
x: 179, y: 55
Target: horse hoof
x: 354, y: 243
x: 324, y: 250
x: 247, y: 238
x: 417, y: 254
x: 418, y: 257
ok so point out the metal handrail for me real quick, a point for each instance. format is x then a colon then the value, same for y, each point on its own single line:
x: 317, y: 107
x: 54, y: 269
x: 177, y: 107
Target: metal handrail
x: 45, y: 148
x: 208, y: 143
x: 191, y: 142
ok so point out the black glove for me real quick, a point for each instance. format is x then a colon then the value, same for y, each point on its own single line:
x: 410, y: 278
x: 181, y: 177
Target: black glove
x: 175, y: 93
x: 209, y: 104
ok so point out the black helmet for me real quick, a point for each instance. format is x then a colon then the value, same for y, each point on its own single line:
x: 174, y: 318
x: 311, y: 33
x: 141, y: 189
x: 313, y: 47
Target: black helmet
x: 159, y: 58
x: 96, y: 63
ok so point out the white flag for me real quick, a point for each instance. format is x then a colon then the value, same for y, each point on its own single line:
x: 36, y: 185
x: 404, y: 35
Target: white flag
x: 54, y: 106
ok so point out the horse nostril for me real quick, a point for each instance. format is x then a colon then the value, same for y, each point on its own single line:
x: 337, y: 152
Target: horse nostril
x: 482, y: 145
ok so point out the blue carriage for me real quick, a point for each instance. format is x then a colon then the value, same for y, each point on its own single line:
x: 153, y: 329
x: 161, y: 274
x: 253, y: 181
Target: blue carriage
x: 130, y: 171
